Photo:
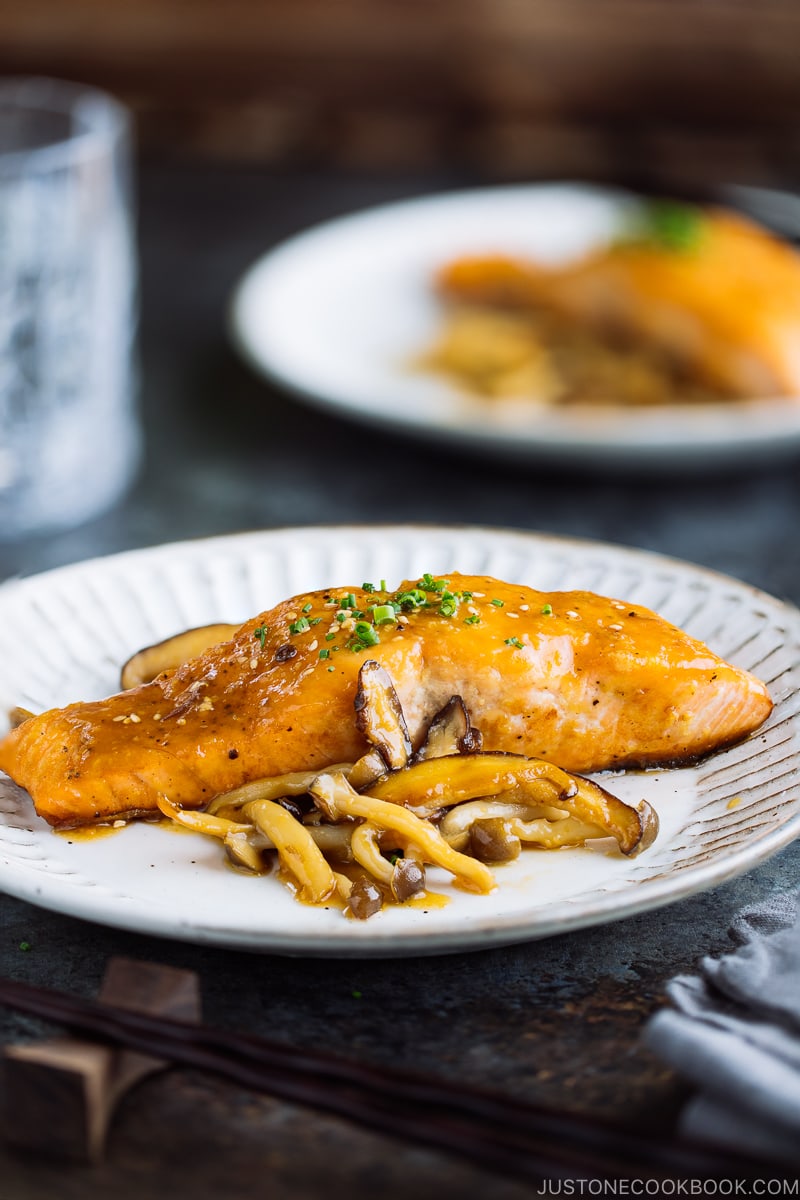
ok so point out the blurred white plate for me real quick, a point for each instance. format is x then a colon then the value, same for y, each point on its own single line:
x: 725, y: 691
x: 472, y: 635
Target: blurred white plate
x: 63, y: 636
x: 337, y: 314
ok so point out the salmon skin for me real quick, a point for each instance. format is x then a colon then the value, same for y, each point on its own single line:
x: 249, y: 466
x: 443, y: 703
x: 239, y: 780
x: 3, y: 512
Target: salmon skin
x: 723, y: 300
x: 584, y: 681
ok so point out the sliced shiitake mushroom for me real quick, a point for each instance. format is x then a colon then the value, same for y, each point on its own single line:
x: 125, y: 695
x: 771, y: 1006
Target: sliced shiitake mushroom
x: 635, y: 828
x: 435, y: 783
x: 143, y: 666
x: 379, y: 715
x: 450, y: 732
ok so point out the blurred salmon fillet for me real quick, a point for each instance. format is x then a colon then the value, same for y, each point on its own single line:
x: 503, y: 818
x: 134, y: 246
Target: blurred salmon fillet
x: 723, y: 302
x: 572, y: 677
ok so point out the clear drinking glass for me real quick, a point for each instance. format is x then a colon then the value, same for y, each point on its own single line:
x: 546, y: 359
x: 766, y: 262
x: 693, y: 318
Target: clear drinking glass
x: 69, y: 436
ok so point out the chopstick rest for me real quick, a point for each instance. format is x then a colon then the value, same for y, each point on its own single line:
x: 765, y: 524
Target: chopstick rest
x: 59, y: 1094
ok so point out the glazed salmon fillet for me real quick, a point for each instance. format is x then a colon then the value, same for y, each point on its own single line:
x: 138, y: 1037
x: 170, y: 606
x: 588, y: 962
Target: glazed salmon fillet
x: 584, y: 681
x: 726, y: 305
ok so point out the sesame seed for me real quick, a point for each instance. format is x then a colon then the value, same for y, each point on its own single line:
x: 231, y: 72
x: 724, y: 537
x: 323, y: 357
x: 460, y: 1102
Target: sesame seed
x: 181, y: 721
x: 136, y: 718
x: 573, y: 616
x: 616, y: 628
x: 253, y: 664
x: 121, y: 717
x: 313, y: 645
x: 514, y: 616
x: 524, y: 607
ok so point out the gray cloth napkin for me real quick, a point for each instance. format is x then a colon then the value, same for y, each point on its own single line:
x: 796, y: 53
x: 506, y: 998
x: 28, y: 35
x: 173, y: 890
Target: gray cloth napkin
x: 735, y: 1033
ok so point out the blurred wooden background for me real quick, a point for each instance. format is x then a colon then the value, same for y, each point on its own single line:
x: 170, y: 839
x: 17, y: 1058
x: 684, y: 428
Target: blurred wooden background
x: 651, y: 90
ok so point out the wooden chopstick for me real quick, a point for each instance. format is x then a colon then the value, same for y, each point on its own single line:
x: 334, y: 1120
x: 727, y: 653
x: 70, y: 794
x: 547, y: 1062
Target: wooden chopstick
x: 495, y: 1131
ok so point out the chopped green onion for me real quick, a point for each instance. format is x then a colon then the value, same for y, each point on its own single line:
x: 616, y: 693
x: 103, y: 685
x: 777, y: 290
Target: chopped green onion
x: 665, y: 225
x: 412, y: 599
x: 514, y: 641
x: 547, y: 610
x: 348, y: 601
x: 368, y: 587
x: 384, y: 614
x: 324, y: 653
x: 365, y: 630
x: 497, y: 603
x: 308, y: 607
x: 449, y: 604
x: 329, y: 637
x: 261, y: 634
x: 331, y: 669
x: 473, y: 620
x: 383, y: 586
x: 341, y: 617
x: 365, y: 635
x: 315, y: 620
x: 300, y: 625
x: 429, y: 584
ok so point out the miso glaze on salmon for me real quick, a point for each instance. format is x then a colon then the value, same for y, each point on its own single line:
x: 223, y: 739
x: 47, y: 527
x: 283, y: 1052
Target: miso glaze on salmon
x: 723, y: 298
x: 586, y: 682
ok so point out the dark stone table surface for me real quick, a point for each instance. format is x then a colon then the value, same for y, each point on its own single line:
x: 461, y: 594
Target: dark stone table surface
x: 557, y: 1021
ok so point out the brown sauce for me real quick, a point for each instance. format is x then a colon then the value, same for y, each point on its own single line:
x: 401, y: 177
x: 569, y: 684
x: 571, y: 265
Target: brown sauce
x: 91, y: 833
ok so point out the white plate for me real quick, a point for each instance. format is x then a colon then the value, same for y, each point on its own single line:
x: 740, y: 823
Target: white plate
x: 63, y: 636
x: 338, y: 313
